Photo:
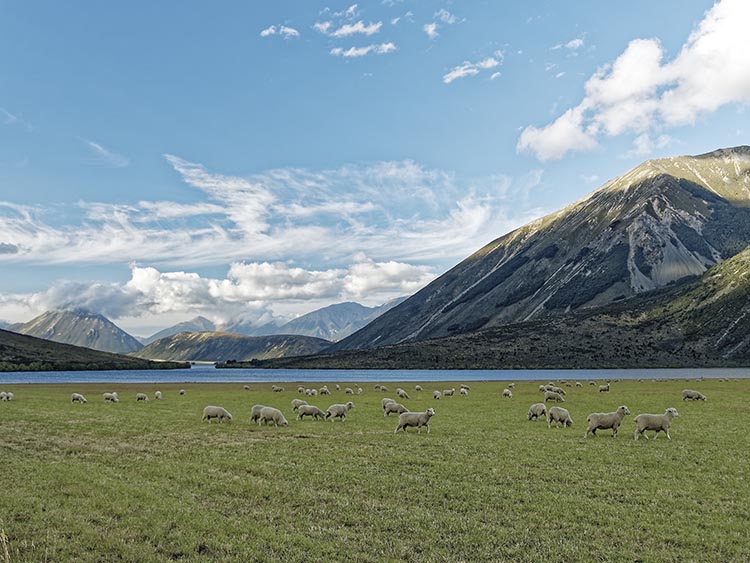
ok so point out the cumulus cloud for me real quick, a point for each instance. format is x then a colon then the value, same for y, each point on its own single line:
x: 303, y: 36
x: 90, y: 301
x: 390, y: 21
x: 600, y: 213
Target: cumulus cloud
x: 376, y: 49
x: 431, y: 30
x: 642, y: 94
x: 468, y: 68
x: 281, y: 30
x: 102, y: 155
x: 348, y: 29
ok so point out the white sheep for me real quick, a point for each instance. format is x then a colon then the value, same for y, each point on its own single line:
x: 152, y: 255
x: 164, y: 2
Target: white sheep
x: 338, y: 387
x: 656, y: 422
x: 157, y: 395
x: 385, y: 400
x: 300, y: 389
x: 276, y: 388
x: 511, y: 386
x: 313, y: 392
x: 592, y: 383
x: 550, y: 396
x: 219, y: 413
x: 384, y: 389
x: 182, y: 391
x: 324, y: 390
x: 604, y: 388
x: 417, y: 387
x: 398, y: 408
x: 542, y: 388
x: 579, y: 384
x: 6, y: 396
x: 464, y: 392
x: 3, y: 394
x: 255, y: 412
x: 507, y: 393
x: 449, y: 392
x: 690, y: 394
x: 558, y: 390
x: 246, y: 387
x: 560, y: 416
x: 310, y: 410
x: 111, y: 398
x: 537, y: 410
x: 339, y: 411
x: 296, y: 403
x: 271, y: 414
x: 464, y: 386
x: 436, y: 395
x: 360, y: 390
x: 606, y: 420
x: 349, y: 391
x: 402, y: 394
x: 141, y: 397
x: 78, y: 398
x: 418, y: 419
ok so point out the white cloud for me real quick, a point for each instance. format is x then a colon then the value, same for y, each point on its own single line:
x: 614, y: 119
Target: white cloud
x: 378, y: 49
x: 644, y: 144
x: 323, y: 27
x: 468, y: 68
x: 572, y: 45
x: 101, y: 155
x: 282, y: 30
x: 445, y: 16
x: 640, y: 93
x: 268, y: 31
x: 347, y: 29
x: 495, y: 75
x: 431, y: 30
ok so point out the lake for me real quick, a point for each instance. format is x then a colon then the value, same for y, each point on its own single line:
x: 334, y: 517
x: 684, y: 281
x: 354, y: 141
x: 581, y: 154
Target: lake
x: 209, y: 374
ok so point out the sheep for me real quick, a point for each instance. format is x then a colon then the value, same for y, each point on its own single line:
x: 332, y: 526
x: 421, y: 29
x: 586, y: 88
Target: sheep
x: 604, y: 388
x: 579, y: 384
x: 276, y: 388
x: 464, y: 392
x: 550, y: 396
x: 308, y: 392
x: 402, y: 394
x: 511, y: 386
x: 246, y: 387
x: 360, y: 390
x: 219, y: 413
x: 394, y: 407
x: 542, y: 388
x: 449, y: 392
x: 385, y: 400
x: 78, y: 398
x: 339, y: 411
x: 338, y: 387
x: 111, y: 398
x: 436, y: 395
x: 157, y: 395
x: 384, y: 389
x: 182, y: 391
x: 417, y: 387
x: 558, y: 390
x: 296, y: 403
x: 605, y: 420
x: 537, y: 410
x: 592, y: 383
x: 507, y: 393
x: 349, y: 391
x: 464, y: 386
x: 6, y: 396
x: 310, y: 410
x: 690, y: 394
x: 418, y: 419
x: 657, y: 422
x: 271, y: 414
x: 300, y: 389
x: 324, y: 390
x: 560, y: 416
x: 255, y: 412
x: 141, y: 397
x: 550, y: 387
x: 377, y: 387
x: 3, y: 394
x: 313, y: 392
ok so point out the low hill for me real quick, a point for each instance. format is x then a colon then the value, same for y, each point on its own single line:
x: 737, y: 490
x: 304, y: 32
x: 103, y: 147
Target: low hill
x: 222, y: 347
x: 19, y: 352
x: 197, y: 324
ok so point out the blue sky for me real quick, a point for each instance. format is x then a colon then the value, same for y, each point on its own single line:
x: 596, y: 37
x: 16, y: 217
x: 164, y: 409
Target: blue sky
x: 162, y: 160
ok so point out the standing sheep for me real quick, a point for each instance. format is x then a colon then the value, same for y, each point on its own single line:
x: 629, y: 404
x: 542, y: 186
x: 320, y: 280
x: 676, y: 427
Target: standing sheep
x: 255, y: 412
x: 296, y: 403
x: 246, y: 387
x: 111, y: 398
x: 402, y: 394
x: 141, y: 397
x: 579, y: 384
x: 690, y: 394
x: 560, y: 416
x: 464, y: 386
x: 276, y: 388
x: 6, y: 396
x: 78, y: 398
x: 418, y: 419
x: 157, y: 395
x: 271, y: 414
x: 349, y: 391
x: 385, y: 400
x: 338, y: 387
x: 300, y: 389
x: 606, y: 420
x: 339, y: 411
x: 3, y: 394
x: 656, y: 422
x: 604, y: 388
x: 436, y: 395
x: 219, y: 413
x: 507, y: 393
x: 360, y: 390
x: 550, y: 396
x: 537, y: 410
x: 464, y: 392
x: 310, y: 410
x: 417, y: 387
x: 324, y: 390
x: 182, y: 391
x: 398, y: 408
x: 449, y: 392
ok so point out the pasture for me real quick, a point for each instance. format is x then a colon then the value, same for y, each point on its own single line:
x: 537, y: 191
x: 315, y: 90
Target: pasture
x: 140, y: 482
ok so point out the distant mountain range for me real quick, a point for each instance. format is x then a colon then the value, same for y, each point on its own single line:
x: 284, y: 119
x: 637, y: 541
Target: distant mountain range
x: 80, y: 328
x: 662, y: 221
x: 222, y: 347
x: 197, y: 324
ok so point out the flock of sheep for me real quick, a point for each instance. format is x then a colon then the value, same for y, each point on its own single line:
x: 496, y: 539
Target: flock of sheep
x: 555, y: 415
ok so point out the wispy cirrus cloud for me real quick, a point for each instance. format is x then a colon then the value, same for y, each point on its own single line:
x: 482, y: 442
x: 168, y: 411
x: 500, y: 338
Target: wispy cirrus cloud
x: 11, y: 119
x: 468, y: 68
x: 441, y: 17
x: 280, y: 30
x: 374, y: 49
x: 103, y: 156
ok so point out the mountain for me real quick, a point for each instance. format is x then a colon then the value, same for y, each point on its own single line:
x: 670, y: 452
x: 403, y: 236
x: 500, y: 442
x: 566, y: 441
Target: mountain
x: 198, y: 324
x: 664, y: 220
x: 4, y: 324
x: 80, y: 328
x: 19, y: 352
x: 222, y: 347
x: 695, y: 322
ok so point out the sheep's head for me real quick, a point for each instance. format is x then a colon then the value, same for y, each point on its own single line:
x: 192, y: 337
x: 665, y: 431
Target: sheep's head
x: 228, y: 417
x: 623, y: 409
x: 569, y: 422
x: 431, y: 411
x: 672, y: 412
x: 349, y: 405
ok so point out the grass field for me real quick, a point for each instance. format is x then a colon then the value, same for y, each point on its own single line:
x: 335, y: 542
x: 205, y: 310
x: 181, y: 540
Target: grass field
x: 150, y: 482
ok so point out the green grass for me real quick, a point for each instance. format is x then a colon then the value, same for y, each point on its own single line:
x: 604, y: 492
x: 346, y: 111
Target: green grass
x: 150, y: 482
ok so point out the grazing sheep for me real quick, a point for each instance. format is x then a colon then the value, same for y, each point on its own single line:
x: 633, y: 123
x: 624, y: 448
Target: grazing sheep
x: 579, y: 384
x: 338, y: 387
x: 255, y: 412
x: 296, y: 403
x: 418, y: 419
x: 157, y: 395
x: 384, y: 389
x: 78, y: 398
x: 402, y: 394
x: 300, y: 389
x: 385, y: 400
x: 394, y: 407
x: 537, y: 410
x: 377, y: 387
x: 436, y: 395
x: 339, y: 411
x: 111, y: 398
x: 313, y: 392
x: 276, y: 388
x: 324, y: 390
x: 417, y: 387
x: 549, y: 387
x: 558, y: 390
x: 604, y: 388
x: 349, y: 391
x: 360, y: 390
x: 606, y: 420
x: 308, y: 392
x: 141, y: 397
x: 592, y: 382
x: 542, y: 388
x: 3, y: 394
x: 560, y: 416
x: 464, y: 386
x: 246, y: 387
x: 690, y: 394
x: 182, y: 391
x: 6, y: 396
x: 568, y: 384
x: 507, y: 393
x: 219, y: 413
x: 511, y: 386
x: 464, y: 392
x: 550, y: 396
x: 310, y: 410
x: 656, y: 422
x: 449, y: 392
x: 271, y: 414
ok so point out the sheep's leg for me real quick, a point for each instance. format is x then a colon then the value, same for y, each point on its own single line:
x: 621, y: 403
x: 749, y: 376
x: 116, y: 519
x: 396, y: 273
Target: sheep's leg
x: 428, y: 428
x: 668, y: 436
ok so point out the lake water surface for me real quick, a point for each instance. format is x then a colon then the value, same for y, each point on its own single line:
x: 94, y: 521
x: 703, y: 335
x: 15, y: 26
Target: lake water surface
x: 209, y: 374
